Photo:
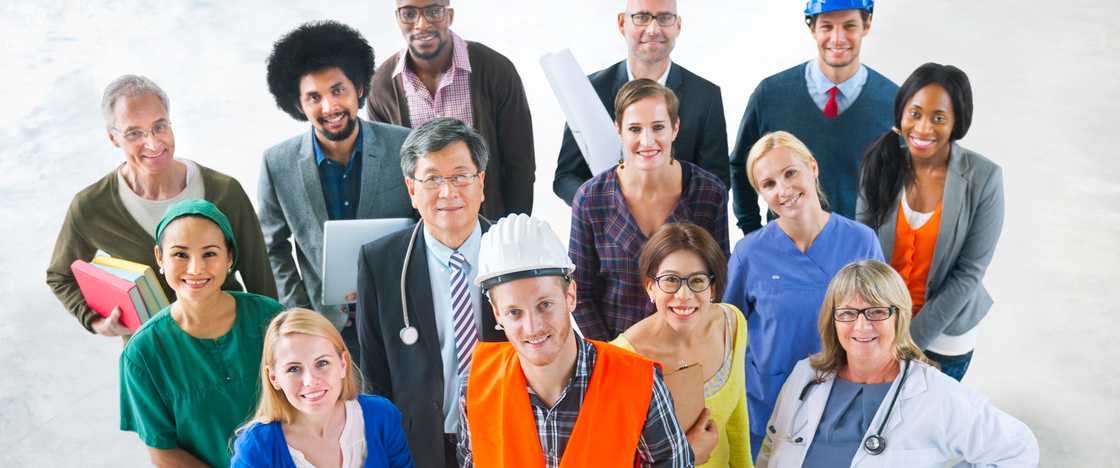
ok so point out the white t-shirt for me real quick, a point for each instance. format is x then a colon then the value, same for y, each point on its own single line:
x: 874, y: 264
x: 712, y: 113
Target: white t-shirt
x: 149, y: 212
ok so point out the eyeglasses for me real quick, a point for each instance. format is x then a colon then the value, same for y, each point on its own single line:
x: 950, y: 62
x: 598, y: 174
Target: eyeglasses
x: 663, y: 19
x: 437, y: 182
x: 432, y: 13
x: 671, y: 283
x: 134, y: 135
x: 873, y: 314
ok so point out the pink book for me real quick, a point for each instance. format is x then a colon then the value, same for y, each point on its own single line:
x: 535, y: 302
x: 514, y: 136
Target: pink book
x: 104, y: 291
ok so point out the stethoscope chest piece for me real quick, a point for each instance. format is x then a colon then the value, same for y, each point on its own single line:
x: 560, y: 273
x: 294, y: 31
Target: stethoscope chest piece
x: 409, y: 335
x: 874, y: 444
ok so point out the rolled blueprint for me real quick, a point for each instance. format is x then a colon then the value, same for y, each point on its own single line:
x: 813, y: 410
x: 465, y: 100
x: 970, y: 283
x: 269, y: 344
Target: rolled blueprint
x: 587, y: 118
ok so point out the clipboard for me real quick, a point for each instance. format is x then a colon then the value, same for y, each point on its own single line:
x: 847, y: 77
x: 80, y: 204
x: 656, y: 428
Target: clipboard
x: 686, y: 385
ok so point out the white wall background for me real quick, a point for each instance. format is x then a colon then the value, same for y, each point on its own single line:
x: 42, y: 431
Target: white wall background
x: 1044, y: 83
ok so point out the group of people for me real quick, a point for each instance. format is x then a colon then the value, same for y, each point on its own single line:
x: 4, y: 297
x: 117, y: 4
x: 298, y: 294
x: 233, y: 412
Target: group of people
x: 476, y: 338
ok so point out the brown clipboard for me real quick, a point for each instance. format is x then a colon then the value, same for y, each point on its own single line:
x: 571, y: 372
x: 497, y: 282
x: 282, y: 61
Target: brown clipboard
x: 686, y: 384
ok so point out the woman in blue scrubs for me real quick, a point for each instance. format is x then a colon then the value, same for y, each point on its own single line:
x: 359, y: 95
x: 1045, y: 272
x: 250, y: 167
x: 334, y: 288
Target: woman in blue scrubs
x: 778, y: 275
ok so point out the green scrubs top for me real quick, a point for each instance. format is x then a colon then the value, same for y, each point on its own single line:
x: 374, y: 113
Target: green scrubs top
x: 178, y: 391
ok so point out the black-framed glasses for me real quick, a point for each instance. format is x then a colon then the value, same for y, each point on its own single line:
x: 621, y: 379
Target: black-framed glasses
x: 161, y: 128
x: 671, y: 283
x: 437, y: 182
x: 432, y: 13
x: 644, y: 18
x: 873, y: 314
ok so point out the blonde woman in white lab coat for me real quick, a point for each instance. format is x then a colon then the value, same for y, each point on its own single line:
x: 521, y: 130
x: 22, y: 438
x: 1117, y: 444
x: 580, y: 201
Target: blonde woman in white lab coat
x: 832, y: 408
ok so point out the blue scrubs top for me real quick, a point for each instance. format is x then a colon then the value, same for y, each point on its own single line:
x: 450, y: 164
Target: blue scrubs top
x: 780, y: 290
x: 850, y: 409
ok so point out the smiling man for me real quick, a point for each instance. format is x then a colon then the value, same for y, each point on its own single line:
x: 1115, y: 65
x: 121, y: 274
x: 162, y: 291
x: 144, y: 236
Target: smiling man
x: 548, y: 397
x: 419, y: 370
x: 343, y: 168
x: 439, y: 74
x: 650, y: 28
x: 833, y: 103
x: 118, y: 213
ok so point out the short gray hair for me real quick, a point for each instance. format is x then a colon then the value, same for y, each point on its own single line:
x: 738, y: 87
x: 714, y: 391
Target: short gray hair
x: 435, y: 135
x: 129, y: 86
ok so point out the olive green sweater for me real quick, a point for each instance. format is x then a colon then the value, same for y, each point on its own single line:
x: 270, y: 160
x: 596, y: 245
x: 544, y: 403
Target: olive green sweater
x: 98, y: 220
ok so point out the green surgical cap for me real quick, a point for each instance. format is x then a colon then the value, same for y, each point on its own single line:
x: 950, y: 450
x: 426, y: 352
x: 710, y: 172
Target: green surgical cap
x: 204, y: 209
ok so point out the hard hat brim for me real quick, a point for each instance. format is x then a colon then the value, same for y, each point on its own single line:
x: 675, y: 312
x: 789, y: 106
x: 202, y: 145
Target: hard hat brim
x: 494, y: 279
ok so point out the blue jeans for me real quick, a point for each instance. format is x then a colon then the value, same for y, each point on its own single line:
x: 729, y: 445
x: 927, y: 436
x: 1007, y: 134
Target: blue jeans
x: 952, y: 366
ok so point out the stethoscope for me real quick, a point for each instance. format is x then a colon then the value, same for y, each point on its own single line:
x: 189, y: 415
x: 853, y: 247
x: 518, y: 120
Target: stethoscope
x: 409, y: 334
x: 874, y: 444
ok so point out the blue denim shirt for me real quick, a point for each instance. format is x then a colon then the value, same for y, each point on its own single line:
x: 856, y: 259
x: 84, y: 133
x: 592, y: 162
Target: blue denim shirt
x: 342, y: 185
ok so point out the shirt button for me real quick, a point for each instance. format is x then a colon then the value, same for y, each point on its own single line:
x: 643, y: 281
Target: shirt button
x: 228, y: 378
x: 346, y: 203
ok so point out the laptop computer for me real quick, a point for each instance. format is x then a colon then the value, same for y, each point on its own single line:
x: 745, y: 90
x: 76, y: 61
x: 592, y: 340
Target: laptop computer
x: 342, y: 241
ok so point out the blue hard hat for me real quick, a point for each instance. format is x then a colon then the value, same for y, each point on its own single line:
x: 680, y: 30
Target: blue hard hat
x: 816, y: 7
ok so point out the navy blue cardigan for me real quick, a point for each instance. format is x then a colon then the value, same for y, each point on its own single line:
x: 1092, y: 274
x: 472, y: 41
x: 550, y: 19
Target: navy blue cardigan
x: 264, y: 444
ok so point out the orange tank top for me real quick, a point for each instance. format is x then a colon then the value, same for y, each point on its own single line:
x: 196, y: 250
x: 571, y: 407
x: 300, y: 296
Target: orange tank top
x: 913, y: 253
x: 606, y: 433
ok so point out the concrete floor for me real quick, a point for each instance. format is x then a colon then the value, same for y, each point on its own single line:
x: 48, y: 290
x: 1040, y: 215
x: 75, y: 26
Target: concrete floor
x: 1044, y: 82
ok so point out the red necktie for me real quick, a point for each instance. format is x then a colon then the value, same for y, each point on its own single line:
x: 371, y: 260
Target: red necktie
x: 830, y: 108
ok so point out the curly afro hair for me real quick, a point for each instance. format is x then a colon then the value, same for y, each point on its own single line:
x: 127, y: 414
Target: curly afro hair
x: 312, y: 47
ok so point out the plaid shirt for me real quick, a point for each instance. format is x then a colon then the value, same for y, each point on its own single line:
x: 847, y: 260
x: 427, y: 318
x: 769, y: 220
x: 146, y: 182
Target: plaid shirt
x: 453, y: 93
x: 605, y: 243
x: 661, y: 445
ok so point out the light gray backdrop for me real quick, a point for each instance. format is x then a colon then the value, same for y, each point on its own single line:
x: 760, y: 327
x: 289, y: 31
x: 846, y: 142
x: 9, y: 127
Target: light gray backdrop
x: 1044, y: 82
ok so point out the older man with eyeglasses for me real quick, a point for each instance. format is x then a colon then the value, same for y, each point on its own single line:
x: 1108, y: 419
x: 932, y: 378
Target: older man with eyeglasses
x: 419, y: 314
x: 117, y: 215
x: 650, y: 28
x: 439, y: 74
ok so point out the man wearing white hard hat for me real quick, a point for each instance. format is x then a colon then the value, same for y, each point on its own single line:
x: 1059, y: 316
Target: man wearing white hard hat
x: 548, y: 395
x: 833, y: 103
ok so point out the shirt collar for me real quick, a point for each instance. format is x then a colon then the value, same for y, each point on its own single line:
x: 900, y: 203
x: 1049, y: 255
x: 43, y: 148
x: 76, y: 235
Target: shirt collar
x: 320, y: 156
x: 821, y: 84
x: 660, y: 80
x: 469, y: 249
x: 460, y: 60
x: 582, y: 371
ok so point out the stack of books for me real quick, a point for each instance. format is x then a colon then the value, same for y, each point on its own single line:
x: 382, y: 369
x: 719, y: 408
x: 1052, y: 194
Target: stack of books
x: 108, y: 283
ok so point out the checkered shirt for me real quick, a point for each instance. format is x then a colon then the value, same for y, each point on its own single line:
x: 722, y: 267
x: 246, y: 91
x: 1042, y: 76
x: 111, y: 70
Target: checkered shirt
x: 453, y: 93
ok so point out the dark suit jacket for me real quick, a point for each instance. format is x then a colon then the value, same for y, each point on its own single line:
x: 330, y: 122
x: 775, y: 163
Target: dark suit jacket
x: 702, y: 138
x: 409, y: 375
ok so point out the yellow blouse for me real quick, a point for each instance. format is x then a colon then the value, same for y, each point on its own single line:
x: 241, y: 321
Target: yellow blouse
x: 728, y: 404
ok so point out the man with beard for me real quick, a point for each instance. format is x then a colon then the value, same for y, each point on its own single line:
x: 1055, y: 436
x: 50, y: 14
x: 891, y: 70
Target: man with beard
x: 849, y: 106
x: 344, y: 168
x: 549, y: 397
x: 651, y: 28
x: 441, y: 75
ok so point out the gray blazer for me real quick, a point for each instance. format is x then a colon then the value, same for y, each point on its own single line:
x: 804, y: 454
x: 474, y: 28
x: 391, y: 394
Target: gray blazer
x: 971, y: 221
x: 292, y: 207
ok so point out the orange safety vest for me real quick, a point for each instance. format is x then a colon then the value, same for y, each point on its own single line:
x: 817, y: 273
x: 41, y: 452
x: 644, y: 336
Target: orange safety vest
x: 610, y: 421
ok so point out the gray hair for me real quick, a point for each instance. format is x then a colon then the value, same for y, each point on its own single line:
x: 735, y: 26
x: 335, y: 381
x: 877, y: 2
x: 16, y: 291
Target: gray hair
x: 435, y: 135
x: 129, y: 86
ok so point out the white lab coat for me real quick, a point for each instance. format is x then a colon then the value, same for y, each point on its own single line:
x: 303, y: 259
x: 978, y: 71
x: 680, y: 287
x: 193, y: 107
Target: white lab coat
x: 936, y: 422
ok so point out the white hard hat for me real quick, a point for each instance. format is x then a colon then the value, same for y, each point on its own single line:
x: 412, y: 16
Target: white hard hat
x: 519, y: 246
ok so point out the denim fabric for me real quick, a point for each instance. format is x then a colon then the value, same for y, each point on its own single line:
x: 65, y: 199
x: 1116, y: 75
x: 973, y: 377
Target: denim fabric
x: 952, y: 366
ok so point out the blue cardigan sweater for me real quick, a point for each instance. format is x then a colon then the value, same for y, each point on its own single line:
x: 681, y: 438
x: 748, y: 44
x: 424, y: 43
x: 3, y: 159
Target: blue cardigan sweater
x: 264, y: 444
x: 782, y: 102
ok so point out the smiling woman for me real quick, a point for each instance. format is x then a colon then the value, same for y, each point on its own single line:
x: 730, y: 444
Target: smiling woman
x: 778, y: 274
x: 185, y: 414
x: 310, y: 413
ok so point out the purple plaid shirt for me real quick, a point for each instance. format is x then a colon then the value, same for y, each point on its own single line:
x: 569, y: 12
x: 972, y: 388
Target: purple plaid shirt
x: 453, y: 93
x: 606, y: 241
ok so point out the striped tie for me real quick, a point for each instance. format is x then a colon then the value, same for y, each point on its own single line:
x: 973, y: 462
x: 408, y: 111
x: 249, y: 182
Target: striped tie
x: 465, y: 333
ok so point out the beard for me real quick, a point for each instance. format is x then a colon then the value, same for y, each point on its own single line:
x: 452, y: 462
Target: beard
x: 345, y: 133
x: 417, y: 54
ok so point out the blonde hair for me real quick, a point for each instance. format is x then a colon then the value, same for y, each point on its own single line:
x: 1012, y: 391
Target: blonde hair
x: 273, y: 405
x: 782, y: 139
x: 877, y: 284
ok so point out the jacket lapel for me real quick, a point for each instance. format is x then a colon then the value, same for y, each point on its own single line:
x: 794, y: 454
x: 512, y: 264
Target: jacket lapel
x: 419, y: 297
x: 378, y: 170
x: 312, y: 185
x: 673, y: 81
x: 952, y: 204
